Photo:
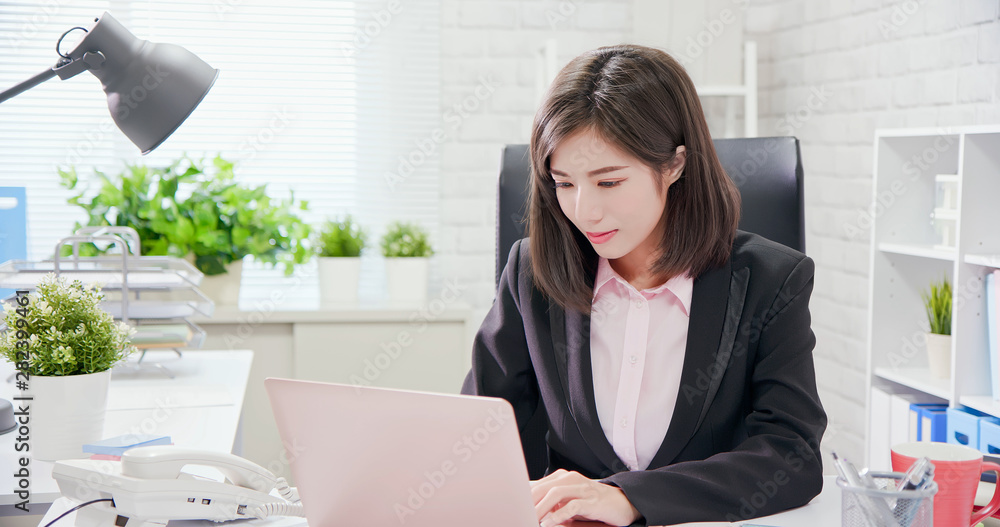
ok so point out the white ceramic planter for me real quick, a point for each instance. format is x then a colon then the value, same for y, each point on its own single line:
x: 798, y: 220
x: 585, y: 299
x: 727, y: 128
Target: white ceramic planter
x: 224, y: 289
x: 406, y: 280
x: 939, y: 355
x: 66, y: 413
x: 338, y: 281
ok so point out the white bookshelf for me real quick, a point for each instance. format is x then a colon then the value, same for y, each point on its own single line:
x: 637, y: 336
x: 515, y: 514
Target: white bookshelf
x: 906, y: 256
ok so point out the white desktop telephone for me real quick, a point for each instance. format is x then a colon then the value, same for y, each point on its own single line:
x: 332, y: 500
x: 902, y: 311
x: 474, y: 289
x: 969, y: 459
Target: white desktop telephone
x: 148, y: 484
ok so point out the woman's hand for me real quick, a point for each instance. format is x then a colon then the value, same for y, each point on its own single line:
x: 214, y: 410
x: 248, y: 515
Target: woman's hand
x: 563, y: 496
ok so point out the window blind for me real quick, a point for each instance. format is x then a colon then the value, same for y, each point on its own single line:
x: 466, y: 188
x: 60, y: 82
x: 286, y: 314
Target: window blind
x: 320, y: 98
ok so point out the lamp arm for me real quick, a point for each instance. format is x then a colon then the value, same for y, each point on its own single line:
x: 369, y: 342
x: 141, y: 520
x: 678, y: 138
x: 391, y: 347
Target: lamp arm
x: 28, y: 84
x: 64, y: 69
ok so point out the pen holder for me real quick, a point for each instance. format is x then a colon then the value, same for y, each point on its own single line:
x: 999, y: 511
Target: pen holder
x: 885, y: 506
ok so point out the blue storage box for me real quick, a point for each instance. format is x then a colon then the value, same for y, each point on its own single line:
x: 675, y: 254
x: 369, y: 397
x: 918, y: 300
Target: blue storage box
x: 963, y: 426
x: 929, y: 422
x: 989, y: 436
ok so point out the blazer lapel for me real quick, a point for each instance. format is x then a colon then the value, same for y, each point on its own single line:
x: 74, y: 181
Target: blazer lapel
x: 572, y: 351
x: 709, y: 315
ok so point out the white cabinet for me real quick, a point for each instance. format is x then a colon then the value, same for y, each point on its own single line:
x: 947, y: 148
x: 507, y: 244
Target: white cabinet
x: 906, y: 256
x: 418, y: 349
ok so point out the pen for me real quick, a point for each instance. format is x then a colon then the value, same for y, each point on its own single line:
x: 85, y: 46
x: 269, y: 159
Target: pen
x: 916, y: 474
x: 875, y: 509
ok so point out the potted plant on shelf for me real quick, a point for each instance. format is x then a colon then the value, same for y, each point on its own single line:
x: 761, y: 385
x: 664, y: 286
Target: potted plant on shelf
x: 937, y: 304
x: 338, y: 248
x: 72, y: 345
x: 406, y: 250
x: 197, y: 211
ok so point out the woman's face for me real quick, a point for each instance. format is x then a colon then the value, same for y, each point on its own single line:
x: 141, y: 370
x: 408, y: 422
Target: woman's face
x: 611, y: 197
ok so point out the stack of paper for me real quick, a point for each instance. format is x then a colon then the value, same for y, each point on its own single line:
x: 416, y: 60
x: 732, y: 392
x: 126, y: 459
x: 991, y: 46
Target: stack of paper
x: 113, y: 447
x: 162, y: 336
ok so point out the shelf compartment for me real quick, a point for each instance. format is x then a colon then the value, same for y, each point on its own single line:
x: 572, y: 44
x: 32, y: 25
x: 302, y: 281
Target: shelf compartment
x: 158, y: 309
x: 985, y: 260
x: 917, y: 378
x: 144, y: 272
x: 921, y: 250
x: 983, y: 403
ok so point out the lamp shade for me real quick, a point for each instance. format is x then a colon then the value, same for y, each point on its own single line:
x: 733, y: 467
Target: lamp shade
x: 151, y: 88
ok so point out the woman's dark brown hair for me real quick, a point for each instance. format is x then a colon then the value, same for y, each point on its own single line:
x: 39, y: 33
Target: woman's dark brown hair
x: 640, y: 100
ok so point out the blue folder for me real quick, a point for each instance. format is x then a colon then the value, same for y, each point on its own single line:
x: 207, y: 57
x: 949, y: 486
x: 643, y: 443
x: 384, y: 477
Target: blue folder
x: 13, y: 228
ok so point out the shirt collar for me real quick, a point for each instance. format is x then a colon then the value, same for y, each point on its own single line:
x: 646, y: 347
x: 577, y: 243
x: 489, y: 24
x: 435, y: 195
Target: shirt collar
x: 680, y: 286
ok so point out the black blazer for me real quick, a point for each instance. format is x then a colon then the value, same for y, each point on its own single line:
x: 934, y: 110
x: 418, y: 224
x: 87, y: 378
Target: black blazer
x: 744, y: 437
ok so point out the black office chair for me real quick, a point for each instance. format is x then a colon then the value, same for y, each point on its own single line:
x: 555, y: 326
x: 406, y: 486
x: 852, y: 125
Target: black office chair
x: 767, y: 171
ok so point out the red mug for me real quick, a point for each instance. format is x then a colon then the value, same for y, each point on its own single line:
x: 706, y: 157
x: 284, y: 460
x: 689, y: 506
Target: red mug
x: 956, y: 470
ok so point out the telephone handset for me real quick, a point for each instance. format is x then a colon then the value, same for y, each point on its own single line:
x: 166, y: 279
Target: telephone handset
x: 149, y: 484
x: 166, y: 462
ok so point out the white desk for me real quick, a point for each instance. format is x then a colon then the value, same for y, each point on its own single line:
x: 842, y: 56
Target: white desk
x: 200, y: 407
x: 822, y: 511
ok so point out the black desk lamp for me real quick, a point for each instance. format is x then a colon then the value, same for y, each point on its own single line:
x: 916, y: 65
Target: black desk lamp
x: 151, y: 88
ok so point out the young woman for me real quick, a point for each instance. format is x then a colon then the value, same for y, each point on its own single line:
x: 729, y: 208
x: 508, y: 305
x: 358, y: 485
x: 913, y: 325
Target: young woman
x: 671, y: 353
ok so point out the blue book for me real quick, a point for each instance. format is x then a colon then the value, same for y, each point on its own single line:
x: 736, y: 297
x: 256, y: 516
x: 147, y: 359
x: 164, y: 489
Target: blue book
x: 114, y: 446
x: 991, y: 330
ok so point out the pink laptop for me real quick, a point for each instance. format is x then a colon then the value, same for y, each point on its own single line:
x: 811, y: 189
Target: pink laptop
x: 381, y: 457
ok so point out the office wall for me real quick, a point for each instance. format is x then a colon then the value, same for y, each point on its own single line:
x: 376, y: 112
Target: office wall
x: 831, y: 73
x: 488, y: 100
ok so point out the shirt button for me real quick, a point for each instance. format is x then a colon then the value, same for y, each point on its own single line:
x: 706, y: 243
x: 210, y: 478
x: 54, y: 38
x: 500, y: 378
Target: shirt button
x: 639, y: 304
x: 633, y: 359
x: 624, y: 422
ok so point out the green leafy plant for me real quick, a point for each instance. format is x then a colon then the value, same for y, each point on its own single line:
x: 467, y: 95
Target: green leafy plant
x: 340, y: 238
x: 68, y: 333
x: 937, y: 303
x: 405, y: 240
x: 189, y: 208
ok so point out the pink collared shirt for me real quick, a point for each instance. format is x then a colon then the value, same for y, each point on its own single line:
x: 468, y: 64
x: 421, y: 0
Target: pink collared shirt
x: 637, y: 364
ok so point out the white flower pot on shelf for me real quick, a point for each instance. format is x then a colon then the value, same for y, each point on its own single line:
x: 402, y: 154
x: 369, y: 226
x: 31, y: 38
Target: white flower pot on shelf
x: 939, y: 355
x: 406, y: 280
x: 224, y: 289
x: 66, y: 413
x: 338, y: 280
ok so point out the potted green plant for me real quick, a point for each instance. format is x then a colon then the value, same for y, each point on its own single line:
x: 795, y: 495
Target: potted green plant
x: 72, y: 345
x: 937, y: 305
x: 197, y: 211
x: 338, y: 247
x: 407, y: 250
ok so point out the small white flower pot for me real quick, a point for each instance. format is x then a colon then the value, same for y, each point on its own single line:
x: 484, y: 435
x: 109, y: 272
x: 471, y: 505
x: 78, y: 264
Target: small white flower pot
x: 66, y: 413
x: 338, y: 280
x: 406, y: 281
x: 939, y: 355
x: 224, y: 289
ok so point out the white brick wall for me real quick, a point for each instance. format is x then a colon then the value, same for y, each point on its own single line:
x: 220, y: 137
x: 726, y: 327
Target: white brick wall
x: 882, y: 63
x: 886, y: 64
x: 498, y: 38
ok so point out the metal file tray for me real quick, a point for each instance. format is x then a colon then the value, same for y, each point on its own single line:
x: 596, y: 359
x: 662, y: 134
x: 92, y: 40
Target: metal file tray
x: 144, y: 272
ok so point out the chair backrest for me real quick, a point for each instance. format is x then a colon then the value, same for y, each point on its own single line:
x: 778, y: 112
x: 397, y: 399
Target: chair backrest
x: 767, y: 171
